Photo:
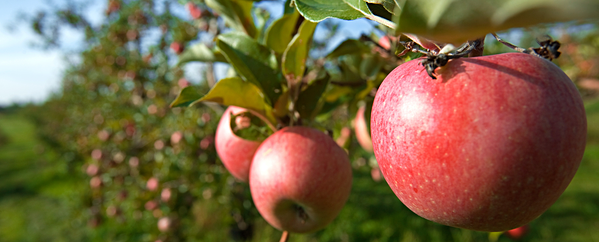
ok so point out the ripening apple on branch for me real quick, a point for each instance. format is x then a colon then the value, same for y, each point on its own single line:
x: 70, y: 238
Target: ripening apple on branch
x: 300, y: 179
x: 235, y: 152
x: 489, y: 145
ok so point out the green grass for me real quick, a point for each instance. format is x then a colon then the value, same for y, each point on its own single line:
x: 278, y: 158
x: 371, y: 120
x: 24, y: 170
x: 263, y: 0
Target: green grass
x: 35, y: 189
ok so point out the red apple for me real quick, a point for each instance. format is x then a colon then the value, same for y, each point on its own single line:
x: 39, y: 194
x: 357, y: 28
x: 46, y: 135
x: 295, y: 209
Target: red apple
x: 194, y: 10
x: 236, y: 153
x: 300, y: 179
x: 386, y: 41
x: 517, y: 233
x: 490, y: 145
x: 362, y: 131
x: 95, y: 182
x: 152, y: 184
x: 165, y: 195
x: 177, y: 47
x: 164, y: 224
x: 92, y: 169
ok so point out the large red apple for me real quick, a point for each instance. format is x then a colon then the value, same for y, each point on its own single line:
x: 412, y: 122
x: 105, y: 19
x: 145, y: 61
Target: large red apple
x: 300, y: 179
x: 235, y: 152
x: 490, y: 145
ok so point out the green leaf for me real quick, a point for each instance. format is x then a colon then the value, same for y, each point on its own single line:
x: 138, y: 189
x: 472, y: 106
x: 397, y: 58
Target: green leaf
x: 295, y: 55
x: 389, y: 5
x: 349, y: 46
x: 288, y: 8
x: 262, y: 17
x: 186, y: 97
x: 200, y: 52
x: 237, y: 14
x: 370, y: 66
x: 237, y: 92
x: 253, y: 61
x: 318, y: 10
x: 309, y: 98
x: 280, y: 32
x: 359, y: 5
x: 455, y: 22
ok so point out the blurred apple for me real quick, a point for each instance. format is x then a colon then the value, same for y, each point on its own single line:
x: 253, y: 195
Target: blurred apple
x: 152, y: 184
x: 517, y: 233
x: 177, y: 47
x: 95, y: 182
x: 194, y: 10
x: 151, y: 205
x: 362, y: 132
x: 92, y: 169
x: 165, y: 195
x: 164, y: 224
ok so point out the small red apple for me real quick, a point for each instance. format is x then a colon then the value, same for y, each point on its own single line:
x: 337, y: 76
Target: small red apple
x: 96, y: 154
x: 165, y: 195
x: 194, y: 10
x: 164, y: 224
x: 517, y: 233
x: 95, y: 182
x: 300, y: 179
x: 344, y: 136
x: 152, y: 184
x: 92, y: 169
x: 150, y: 205
x: 490, y: 145
x: 176, y: 137
x: 236, y: 153
x: 362, y: 132
x: 183, y: 83
x: 177, y: 47
x: 386, y: 41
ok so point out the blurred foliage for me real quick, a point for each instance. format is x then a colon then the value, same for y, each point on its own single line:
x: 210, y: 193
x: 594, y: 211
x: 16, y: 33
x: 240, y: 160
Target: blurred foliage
x: 106, y: 158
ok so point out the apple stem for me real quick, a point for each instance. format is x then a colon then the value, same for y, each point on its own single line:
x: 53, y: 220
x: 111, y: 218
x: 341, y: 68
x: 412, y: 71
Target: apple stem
x: 264, y: 119
x: 284, y: 236
x: 478, y: 51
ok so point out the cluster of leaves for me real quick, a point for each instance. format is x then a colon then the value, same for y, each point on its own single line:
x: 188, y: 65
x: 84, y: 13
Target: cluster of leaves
x: 450, y: 21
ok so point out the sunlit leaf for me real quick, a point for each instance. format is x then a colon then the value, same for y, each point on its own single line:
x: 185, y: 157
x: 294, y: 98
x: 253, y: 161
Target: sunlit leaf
x: 200, y: 52
x: 253, y: 61
x: 318, y: 10
x: 451, y: 21
x: 237, y: 92
x: 280, y: 32
x: 359, y: 5
x: 237, y: 14
x: 186, y: 97
x: 389, y: 5
x: 294, y: 57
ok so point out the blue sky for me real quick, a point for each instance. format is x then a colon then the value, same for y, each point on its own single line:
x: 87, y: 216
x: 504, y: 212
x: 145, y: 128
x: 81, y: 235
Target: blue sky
x: 27, y: 73
x: 31, y: 74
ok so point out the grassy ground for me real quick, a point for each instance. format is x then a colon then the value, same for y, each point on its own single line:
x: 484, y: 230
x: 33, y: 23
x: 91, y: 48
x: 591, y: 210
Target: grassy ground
x: 39, y: 201
x: 35, y: 190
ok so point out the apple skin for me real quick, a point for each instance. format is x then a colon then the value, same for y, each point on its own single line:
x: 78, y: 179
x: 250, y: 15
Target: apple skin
x: 490, y: 145
x: 300, y: 179
x: 235, y: 152
x: 518, y: 233
x: 361, y: 130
